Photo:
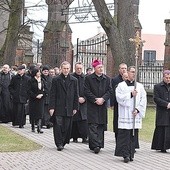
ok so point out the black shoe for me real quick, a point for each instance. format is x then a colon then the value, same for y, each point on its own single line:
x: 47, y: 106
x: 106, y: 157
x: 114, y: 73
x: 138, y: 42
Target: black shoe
x: 21, y: 126
x: 96, y: 150
x: 48, y: 126
x: 126, y: 159
x: 75, y: 140
x: 163, y: 151
x: 85, y: 140
x: 131, y: 159
x: 39, y: 131
x: 60, y: 148
x: 33, y: 128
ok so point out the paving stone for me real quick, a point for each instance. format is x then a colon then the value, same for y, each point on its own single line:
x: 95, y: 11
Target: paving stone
x: 77, y: 156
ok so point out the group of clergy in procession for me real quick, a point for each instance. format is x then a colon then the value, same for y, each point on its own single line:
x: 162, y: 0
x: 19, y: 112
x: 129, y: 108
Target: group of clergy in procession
x: 76, y: 104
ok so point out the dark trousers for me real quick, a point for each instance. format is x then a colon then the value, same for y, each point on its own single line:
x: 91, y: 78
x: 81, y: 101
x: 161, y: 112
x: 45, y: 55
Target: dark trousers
x: 62, y: 130
x: 18, y: 115
x: 96, y: 135
x: 125, y: 144
x: 79, y: 129
x: 46, y: 116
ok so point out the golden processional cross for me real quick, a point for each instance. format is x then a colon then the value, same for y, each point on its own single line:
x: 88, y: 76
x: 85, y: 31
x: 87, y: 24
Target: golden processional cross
x: 138, y: 43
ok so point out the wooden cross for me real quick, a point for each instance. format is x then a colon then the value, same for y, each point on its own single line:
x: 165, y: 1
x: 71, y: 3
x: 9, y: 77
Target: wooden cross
x: 137, y: 41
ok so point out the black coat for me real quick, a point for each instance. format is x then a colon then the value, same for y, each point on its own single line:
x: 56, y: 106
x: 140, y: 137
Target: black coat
x: 113, y: 102
x: 162, y: 98
x: 82, y: 112
x: 48, y: 81
x: 19, y: 88
x: 115, y: 81
x: 64, y: 99
x: 36, y: 106
x: 96, y: 87
x: 5, y: 97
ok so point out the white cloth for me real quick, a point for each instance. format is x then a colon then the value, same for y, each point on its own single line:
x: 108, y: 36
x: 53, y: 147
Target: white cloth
x: 39, y: 83
x: 126, y: 105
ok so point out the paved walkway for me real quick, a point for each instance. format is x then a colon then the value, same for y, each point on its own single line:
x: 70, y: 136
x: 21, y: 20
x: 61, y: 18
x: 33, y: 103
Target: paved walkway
x: 77, y: 156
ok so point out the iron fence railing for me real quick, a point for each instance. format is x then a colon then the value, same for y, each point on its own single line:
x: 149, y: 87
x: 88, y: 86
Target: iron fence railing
x: 150, y: 75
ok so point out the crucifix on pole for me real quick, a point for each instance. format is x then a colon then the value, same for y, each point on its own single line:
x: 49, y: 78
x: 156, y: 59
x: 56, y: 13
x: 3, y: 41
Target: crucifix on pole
x: 138, y: 43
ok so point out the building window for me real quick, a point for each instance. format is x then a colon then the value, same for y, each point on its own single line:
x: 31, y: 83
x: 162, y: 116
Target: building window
x: 149, y: 56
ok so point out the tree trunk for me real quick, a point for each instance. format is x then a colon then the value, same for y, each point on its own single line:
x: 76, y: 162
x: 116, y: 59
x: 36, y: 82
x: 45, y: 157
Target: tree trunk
x: 11, y: 41
x: 118, y: 30
x: 125, y: 24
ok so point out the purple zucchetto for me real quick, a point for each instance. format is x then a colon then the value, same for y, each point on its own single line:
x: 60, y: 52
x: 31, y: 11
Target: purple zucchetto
x: 166, y: 72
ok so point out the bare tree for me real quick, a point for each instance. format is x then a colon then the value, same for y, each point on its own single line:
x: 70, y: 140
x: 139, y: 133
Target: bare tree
x: 15, y: 25
x: 8, y: 51
x: 118, y: 29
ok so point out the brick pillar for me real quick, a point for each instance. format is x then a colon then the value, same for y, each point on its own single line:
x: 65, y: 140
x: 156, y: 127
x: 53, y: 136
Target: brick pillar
x: 57, y: 45
x: 167, y: 45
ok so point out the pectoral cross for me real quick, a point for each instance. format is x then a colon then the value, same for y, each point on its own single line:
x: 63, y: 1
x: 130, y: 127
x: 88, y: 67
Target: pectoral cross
x: 138, y: 42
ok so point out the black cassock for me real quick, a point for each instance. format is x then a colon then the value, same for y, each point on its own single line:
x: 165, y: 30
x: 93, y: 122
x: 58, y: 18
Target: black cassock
x: 161, y: 137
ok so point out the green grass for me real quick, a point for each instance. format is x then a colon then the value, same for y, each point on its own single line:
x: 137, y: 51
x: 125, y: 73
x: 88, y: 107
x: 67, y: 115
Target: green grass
x: 13, y: 142
x: 146, y: 133
x: 148, y: 126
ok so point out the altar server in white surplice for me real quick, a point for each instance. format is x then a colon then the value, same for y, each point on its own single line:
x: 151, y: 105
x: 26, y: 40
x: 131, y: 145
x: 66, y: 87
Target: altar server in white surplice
x: 125, y: 93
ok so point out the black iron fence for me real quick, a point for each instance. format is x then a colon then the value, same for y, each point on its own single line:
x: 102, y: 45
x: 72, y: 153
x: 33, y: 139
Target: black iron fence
x: 91, y: 49
x: 150, y: 75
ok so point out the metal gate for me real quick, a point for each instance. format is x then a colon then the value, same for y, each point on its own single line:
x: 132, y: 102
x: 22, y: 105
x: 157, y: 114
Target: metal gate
x: 89, y: 50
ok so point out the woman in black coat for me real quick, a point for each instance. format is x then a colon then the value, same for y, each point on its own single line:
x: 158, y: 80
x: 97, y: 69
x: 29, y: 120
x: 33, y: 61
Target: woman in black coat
x: 37, y: 93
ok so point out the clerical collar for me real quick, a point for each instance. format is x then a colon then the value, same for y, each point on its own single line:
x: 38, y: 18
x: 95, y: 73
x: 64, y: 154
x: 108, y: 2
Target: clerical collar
x: 5, y: 73
x: 99, y: 75
x: 64, y: 76
x: 130, y: 83
x: 78, y: 75
x: 168, y: 85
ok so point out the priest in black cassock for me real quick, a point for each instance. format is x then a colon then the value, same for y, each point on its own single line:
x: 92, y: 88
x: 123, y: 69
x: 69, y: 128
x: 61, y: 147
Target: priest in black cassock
x: 161, y: 137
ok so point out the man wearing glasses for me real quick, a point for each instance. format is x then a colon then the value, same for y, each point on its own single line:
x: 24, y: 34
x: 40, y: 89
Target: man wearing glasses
x: 126, y: 94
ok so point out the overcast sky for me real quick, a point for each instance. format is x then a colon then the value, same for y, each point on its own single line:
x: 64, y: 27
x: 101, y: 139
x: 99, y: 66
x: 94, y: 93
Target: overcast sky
x: 152, y: 14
